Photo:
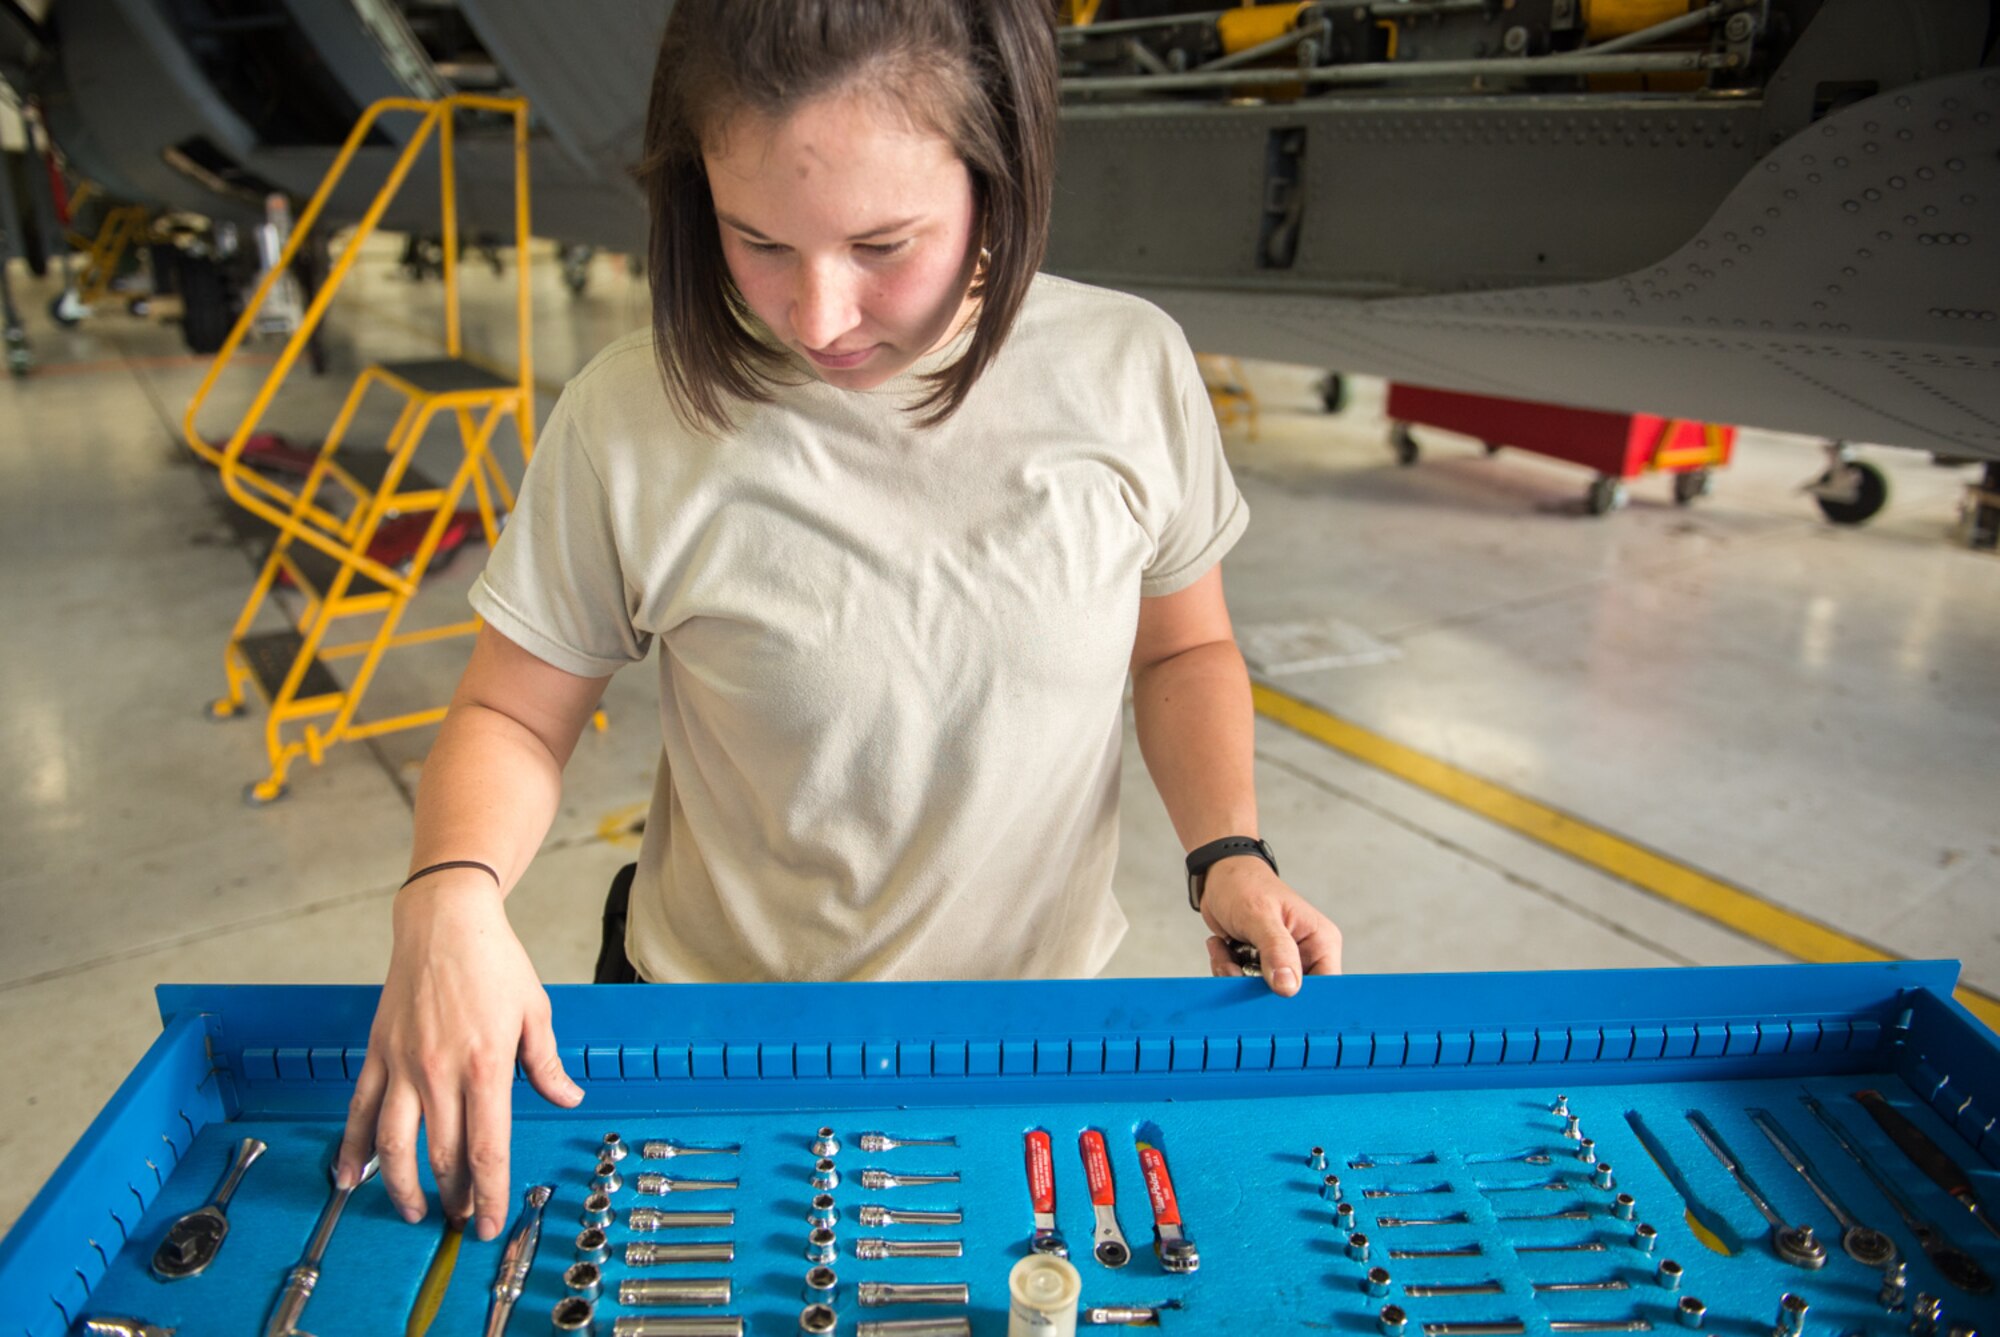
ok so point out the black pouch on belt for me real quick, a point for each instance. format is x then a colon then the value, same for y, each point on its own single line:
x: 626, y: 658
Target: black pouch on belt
x: 613, y: 966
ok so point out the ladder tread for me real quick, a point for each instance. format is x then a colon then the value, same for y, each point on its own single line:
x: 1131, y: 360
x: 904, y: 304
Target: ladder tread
x: 447, y: 375
x: 269, y: 656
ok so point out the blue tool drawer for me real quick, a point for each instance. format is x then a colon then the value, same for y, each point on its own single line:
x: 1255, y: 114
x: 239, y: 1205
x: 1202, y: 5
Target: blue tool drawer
x: 1432, y: 1096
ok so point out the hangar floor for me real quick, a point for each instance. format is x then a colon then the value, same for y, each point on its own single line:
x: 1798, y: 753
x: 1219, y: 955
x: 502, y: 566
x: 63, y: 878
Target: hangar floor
x: 1804, y: 714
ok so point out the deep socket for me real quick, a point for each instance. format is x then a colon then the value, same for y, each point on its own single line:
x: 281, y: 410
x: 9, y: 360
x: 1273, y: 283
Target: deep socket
x: 645, y: 1220
x: 875, y: 1294
x: 642, y: 1253
x: 673, y: 1292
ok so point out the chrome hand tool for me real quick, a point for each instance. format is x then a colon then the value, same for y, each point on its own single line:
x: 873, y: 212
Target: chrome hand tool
x: 659, y: 1325
x: 437, y: 1280
x: 1871, y: 1248
x: 883, y: 1142
x: 874, y: 1249
x: 884, y: 1179
x: 915, y: 1327
x: 1505, y: 1327
x: 876, y: 1294
x: 1460, y: 1251
x: 1171, y: 1244
x: 1600, y: 1325
x: 1455, y: 1219
x: 1537, y: 1186
x: 1129, y: 1316
x: 660, y: 1150
x: 193, y: 1241
x: 1588, y: 1246
x: 871, y: 1214
x: 640, y: 1253
x: 1795, y: 1244
x: 644, y: 1220
x: 299, y: 1282
x: 1110, y: 1248
x: 574, y: 1313
x: 1926, y: 1155
x: 674, y: 1292
x: 1528, y: 1157
x: 660, y: 1185
x: 1375, y: 1160
x: 1567, y: 1214
x: 1246, y: 958
x: 1042, y: 1190
x: 1557, y: 1287
x: 1957, y: 1266
x: 517, y: 1258
x: 1416, y: 1192
x: 115, y: 1326
x: 1436, y: 1291
x: 1710, y: 1229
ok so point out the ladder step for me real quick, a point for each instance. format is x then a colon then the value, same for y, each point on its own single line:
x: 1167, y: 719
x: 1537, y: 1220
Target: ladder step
x: 447, y: 375
x: 370, y: 468
x: 269, y: 656
x: 320, y: 570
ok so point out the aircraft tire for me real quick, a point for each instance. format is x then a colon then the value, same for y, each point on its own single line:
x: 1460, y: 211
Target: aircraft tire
x: 206, y: 317
x: 1606, y: 494
x: 1692, y: 484
x: 1404, y: 445
x: 1870, y: 496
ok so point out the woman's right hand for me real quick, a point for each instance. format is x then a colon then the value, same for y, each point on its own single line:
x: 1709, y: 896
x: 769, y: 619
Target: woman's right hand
x: 461, y: 1002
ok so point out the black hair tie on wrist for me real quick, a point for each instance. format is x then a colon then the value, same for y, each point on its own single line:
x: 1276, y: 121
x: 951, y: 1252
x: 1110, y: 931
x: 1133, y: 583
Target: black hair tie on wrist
x: 452, y: 863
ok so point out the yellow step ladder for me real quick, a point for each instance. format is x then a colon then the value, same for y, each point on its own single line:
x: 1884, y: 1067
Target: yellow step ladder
x: 326, y: 525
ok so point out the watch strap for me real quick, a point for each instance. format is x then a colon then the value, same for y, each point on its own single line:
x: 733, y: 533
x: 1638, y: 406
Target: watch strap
x: 1204, y: 857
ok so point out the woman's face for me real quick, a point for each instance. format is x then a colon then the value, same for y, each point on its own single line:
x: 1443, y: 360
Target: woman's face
x: 848, y: 231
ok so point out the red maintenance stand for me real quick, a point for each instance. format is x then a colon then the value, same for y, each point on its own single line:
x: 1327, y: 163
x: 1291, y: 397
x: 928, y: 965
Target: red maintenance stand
x: 1619, y: 446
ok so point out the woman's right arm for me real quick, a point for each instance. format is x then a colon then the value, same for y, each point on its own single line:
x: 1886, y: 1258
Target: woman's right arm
x: 462, y: 1001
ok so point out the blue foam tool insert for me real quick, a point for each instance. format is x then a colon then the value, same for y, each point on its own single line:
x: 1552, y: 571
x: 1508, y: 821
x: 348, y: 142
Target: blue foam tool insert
x: 1222, y: 1078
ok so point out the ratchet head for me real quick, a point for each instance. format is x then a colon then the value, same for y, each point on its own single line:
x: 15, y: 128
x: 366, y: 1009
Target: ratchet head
x: 1112, y: 1252
x: 1799, y: 1246
x: 1870, y: 1248
x: 1048, y: 1242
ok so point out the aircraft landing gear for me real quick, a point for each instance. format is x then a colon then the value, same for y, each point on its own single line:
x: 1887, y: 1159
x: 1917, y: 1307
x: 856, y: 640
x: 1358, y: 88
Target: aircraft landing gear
x: 1850, y: 491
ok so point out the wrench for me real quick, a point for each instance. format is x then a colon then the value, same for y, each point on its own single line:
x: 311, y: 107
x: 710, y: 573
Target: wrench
x: 1794, y: 1244
x: 1110, y: 1249
x: 1958, y: 1267
x: 1870, y: 1248
x: 193, y: 1241
x: 1171, y: 1245
x: 1042, y: 1189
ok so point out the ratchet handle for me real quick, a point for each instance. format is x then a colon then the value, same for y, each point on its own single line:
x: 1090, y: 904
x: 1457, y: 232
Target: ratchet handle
x: 1097, y: 1169
x: 1041, y: 1172
x: 1159, y: 1187
x: 1925, y: 1154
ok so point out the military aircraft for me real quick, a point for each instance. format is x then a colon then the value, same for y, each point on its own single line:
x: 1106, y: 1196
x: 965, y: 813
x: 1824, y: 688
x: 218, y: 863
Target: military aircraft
x: 1779, y: 213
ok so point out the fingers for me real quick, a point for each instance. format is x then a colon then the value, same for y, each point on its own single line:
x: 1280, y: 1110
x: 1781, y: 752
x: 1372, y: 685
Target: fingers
x: 396, y: 1144
x: 1220, y: 963
x: 488, y: 1126
x: 1320, y: 945
x: 543, y: 1065
x: 1273, y: 940
x: 444, y: 1119
x: 357, y: 1143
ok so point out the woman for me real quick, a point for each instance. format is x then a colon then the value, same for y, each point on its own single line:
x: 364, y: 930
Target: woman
x: 903, y: 515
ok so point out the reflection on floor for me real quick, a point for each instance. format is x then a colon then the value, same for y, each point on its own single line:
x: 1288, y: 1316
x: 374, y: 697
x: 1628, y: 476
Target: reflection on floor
x: 1809, y: 713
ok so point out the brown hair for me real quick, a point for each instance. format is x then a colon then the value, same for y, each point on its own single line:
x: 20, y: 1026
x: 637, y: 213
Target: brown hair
x: 981, y: 73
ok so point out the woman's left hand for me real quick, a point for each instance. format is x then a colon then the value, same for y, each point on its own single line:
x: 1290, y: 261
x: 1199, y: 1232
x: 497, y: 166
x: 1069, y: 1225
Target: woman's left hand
x: 1245, y: 901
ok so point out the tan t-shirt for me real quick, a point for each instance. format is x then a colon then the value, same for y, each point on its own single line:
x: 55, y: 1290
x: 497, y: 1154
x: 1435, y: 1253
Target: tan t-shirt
x: 893, y: 658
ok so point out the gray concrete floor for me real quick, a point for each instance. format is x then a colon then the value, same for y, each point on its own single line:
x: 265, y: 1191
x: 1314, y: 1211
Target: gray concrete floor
x: 1810, y: 713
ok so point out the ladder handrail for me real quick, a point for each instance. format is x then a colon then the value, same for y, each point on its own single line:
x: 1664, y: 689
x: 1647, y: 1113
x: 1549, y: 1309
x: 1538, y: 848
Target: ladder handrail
x: 238, y: 481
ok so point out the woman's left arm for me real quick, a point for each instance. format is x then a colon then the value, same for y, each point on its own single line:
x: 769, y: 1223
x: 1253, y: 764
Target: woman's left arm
x: 1197, y: 732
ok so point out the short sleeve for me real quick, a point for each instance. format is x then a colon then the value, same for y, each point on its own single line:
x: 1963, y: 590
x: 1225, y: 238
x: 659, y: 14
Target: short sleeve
x: 555, y: 584
x: 1211, y: 514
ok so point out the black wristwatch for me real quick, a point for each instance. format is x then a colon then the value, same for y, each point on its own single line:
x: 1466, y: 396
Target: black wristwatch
x: 1199, y: 861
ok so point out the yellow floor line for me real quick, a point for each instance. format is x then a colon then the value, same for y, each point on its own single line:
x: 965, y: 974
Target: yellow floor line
x: 1651, y: 872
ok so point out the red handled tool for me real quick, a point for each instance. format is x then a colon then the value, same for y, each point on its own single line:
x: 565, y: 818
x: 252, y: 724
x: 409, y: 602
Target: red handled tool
x: 1042, y: 1188
x: 1175, y: 1250
x: 1111, y: 1248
